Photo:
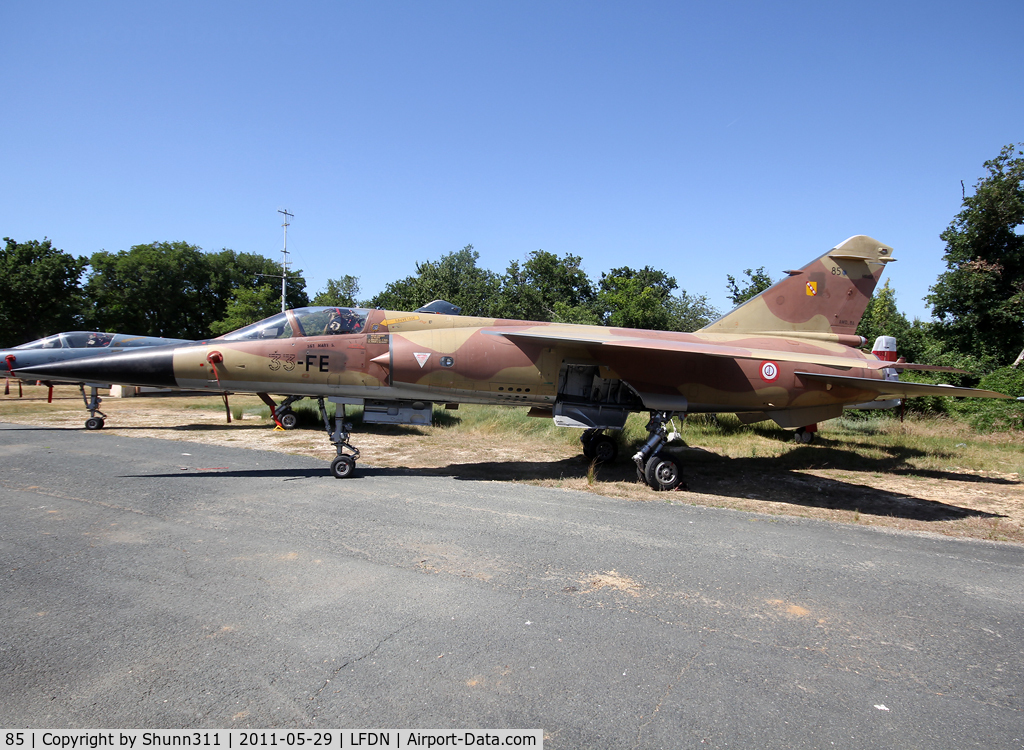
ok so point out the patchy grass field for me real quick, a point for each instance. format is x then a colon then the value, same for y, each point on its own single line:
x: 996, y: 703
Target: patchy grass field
x: 922, y: 475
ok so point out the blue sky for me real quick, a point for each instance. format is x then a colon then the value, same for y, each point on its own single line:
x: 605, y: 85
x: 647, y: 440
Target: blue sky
x: 698, y: 138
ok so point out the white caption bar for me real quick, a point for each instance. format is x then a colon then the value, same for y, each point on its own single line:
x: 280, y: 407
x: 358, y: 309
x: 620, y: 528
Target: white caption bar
x: 239, y: 739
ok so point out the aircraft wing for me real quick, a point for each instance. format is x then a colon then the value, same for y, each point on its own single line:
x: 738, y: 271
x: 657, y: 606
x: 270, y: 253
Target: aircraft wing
x: 693, y: 347
x: 887, y: 389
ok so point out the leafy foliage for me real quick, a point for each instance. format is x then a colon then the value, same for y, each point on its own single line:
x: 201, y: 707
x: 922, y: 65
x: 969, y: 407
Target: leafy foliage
x: 455, y: 278
x: 689, y: 312
x: 39, y: 291
x: 340, y: 292
x: 883, y: 318
x: 636, y: 299
x: 247, y: 306
x: 986, y: 415
x: 979, y: 300
x: 757, y: 281
x: 173, y: 289
x: 543, y: 285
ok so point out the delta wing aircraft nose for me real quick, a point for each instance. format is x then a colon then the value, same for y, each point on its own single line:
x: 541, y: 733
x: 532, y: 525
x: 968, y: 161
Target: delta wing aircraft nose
x: 149, y: 367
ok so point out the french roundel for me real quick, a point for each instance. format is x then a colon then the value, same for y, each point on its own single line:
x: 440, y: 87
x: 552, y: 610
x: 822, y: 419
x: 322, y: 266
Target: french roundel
x: 769, y: 371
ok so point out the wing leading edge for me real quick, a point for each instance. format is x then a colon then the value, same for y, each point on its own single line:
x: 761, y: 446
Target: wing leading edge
x: 693, y: 347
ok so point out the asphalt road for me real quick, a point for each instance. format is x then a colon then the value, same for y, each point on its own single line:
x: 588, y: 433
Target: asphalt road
x: 150, y: 583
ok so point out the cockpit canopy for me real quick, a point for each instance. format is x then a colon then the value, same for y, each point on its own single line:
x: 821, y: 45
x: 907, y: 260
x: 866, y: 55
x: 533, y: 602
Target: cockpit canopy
x: 71, y: 340
x: 304, y: 321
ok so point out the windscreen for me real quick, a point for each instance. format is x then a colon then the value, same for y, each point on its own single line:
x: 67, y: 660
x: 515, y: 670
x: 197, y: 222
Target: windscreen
x: 308, y: 321
x: 86, y: 339
x: 50, y: 342
x: 71, y: 340
x: 330, y: 321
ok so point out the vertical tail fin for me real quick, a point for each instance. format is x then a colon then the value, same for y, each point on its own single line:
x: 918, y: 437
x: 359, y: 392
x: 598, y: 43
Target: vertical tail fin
x: 826, y: 296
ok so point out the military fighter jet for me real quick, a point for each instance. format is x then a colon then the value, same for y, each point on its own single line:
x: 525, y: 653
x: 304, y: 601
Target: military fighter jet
x: 791, y: 354
x: 61, y: 347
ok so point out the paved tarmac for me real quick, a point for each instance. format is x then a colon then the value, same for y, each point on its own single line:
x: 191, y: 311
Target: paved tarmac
x: 150, y: 583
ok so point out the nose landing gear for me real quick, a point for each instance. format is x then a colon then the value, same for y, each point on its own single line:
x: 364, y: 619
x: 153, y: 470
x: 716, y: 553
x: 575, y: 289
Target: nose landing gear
x: 92, y: 405
x: 344, y: 464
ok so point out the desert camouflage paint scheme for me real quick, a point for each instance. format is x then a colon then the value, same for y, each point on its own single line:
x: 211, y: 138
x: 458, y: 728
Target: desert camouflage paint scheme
x: 790, y: 354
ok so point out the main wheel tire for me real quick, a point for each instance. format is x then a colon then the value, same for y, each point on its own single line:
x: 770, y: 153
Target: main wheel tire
x: 803, y: 436
x: 662, y: 473
x: 94, y: 423
x: 288, y: 420
x: 603, y: 449
x: 342, y: 467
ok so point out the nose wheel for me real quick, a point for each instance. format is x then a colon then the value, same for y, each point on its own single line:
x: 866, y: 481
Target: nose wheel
x: 344, y: 464
x: 92, y: 405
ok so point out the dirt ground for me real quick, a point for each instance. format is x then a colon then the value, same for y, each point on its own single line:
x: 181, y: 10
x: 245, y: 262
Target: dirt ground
x: 952, y: 501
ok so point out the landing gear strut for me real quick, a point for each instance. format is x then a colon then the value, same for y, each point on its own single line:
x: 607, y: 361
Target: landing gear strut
x: 344, y: 464
x: 599, y: 447
x: 92, y: 405
x: 660, y: 471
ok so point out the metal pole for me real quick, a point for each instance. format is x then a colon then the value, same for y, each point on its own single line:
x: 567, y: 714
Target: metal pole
x: 284, y: 256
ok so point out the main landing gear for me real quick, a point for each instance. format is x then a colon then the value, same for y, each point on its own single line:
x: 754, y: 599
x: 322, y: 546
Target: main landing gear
x: 285, y: 416
x: 599, y: 447
x: 659, y: 470
x: 806, y: 434
x: 282, y: 413
x: 344, y: 464
x: 92, y: 405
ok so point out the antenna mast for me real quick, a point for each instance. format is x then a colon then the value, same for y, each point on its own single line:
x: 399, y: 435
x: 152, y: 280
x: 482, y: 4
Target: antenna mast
x: 284, y: 255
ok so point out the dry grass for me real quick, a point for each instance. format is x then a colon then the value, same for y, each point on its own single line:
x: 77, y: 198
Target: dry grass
x: 921, y: 475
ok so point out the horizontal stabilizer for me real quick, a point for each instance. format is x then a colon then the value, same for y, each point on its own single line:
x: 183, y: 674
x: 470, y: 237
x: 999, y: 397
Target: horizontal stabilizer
x: 887, y: 389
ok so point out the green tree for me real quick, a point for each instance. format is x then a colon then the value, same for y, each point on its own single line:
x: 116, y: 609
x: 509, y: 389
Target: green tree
x: 174, y: 289
x: 689, y: 312
x: 636, y: 299
x: 340, y: 292
x: 455, y: 278
x: 247, y: 306
x: 544, y: 282
x: 231, y: 271
x: 757, y: 282
x: 585, y: 315
x: 154, y: 290
x: 255, y: 293
x: 40, y: 293
x: 979, y: 300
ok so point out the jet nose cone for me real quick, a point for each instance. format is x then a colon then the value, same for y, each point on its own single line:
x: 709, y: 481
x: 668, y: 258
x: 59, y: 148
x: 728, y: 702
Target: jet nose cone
x: 149, y: 367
